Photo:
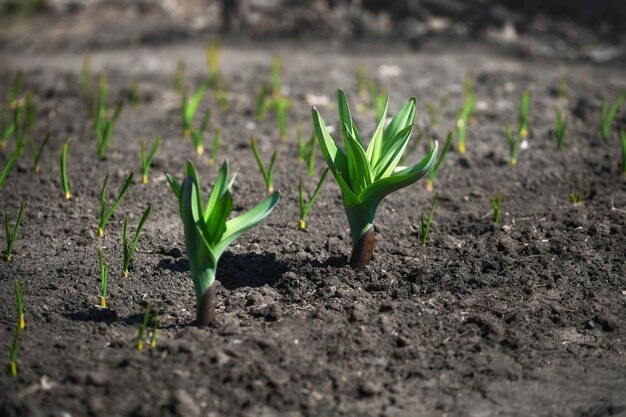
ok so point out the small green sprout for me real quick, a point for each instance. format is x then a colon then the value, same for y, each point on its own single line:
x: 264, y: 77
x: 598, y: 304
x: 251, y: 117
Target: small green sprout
x: 366, y: 177
x: 208, y: 232
x: 267, y: 173
x: 178, y: 80
x: 304, y: 147
x: 496, y: 206
x: 19, y: 133
x: 190, y: 106
x: 19, y: 298
x: 85, y: 80
x: 608, y: 114
x: 523, y: 115
x: 155, y: 326
x: 213, y: 62
x: 15, y: 347
x: 281, y: 111
x: 305, y: 208
x: 425, y: 224
x: 381, y: 104
x: 134, y: 94
x: 64, y: 180
x: 462, y: 121
x: 515, y: 142
x: 129, y: 251
x: 7, y: 168
x: 623, y: 137
x: 36, y: 152
x: 435, y: 113
x: 102, y: 124
x: 261, y: 103
x: 104, y: 270
x: 216, y: 143
x: 11, y: 236
x: 576, y: 198
x: 104, y: 214
x: 432, y: 174
x: 146, y: 159
x: 197, y: 136
x: 560, y: 125
x: 275, y: 77
x: 144, y: 324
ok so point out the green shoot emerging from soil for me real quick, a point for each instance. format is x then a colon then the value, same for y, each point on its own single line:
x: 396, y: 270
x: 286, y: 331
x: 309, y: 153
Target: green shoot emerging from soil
x: 496, y: 207
x: 576, y: 198
x: 103, y: 125
x: 36, y: 152
x: 144, y: 324
x: 190, y: 107
x: 432, y: 174
x: 104, y: 270
x: 306, y: 207
x: 197, y: 136
x: 462, y: 121
x: 261, y: 103
x: 146, y: 159
x: 104, y: 214
x: 129, y: 251
x: 11, y: 236
x: 19, y: 298
x: 435, y: 113
x: 560, y: 126
x: 208, y: 232
x: 304, y: 147
x: 268, y: 173
x: 515, y: 142
x: 623, y: 137
x: 608, y: 114
x: 15, y: 347
x: 216, y: 143
x: 366, y: 177
x: 64, y: 180
x: 523, y: 115
x: 213, y: 62
x: 425, y: 223
x: 275, y: 76
x: 7, y: 168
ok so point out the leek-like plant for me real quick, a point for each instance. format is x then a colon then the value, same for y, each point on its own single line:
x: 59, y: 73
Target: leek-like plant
x: 462, y: 121
x: 9, y: 165
x: 104, y: 271
x: 105, y: 215
x: 146, y: 158
x: 216, y: 143
x: 129, y: 250
x: 523, y: 115
x: 197, y: 136
x: 15, y: 347
x: 366, y: 177
x: 266, y: 172
x: 103, y: 125
x: 64, y: 181
x: 144, y: 324
x: 607, y: 114
x: 36, y: 152
x: 190, y: 107
x: 306, y: 207
x: 11, y: 235
x: 496, y: 207
x: 208, y: 232
x: 19, y: 298
x: 432, y: 174
x: 560, y: 126
x: 425, y: 223
x: 514, y: 141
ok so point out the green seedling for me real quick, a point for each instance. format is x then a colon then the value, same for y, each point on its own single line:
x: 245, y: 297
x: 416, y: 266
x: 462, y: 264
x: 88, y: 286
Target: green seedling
x: 576, y: 198
x: 523, y: 115
x: 267, y: 173
x: 197, y: 136
x: 462, y: 121
x: 496, y: 207
x: 144, y: 324
x: 104, y: 271
x: 213, y: 62
x: 304, y: 147
x: 623, y: 137
x: 412, y: 146
x: 208, y: 232
x: 560, y: 125
x: 7, y: 130
x: 432, y: 174
x: 275, y: 77
x: 306, y: 207
x: 381, y: 104
x: 64, y: 180
x: 103, y: 125
x: 608, y: 114
x: 425, y: 223
x: 19, y: 298
x: 515, y: 142
x: 134, y: 94
x: 15, y: 347
x: 155, y: 326
x: 366, y: 177
x: 104, y: 214
x: 261, y: 103
x: 129, y: 251
x: 9, y: 165
x: 190, y: 106
x: 280, y: 104
x: 216, y: 143
x: 435, y: 112
x: 85, y: 80
x: 178, y: 80
x: 19, y: 129
x: 11, y: 236
x: 36, y: 152
x: 146, y: 158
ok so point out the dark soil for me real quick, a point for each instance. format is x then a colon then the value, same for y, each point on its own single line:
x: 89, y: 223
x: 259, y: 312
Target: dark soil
x: 525, y: 318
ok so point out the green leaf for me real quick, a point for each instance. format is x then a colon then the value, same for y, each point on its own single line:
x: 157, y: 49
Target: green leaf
x: 334, y: 156
x: 358, y: 167
x: 404, y: 118
x: 219, y: 188
x: 392, y: 153
x: 376, y: 144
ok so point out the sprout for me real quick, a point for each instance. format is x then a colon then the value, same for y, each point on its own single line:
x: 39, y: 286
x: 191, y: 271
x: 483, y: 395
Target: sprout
x: 576, y: 198
x: 129, y: 251
x: 11, y: 236
x: 425, y: 224
x: 36, y: 152
x: 106, y: 215
x: 261, y: 103
x: 275, y: 76
x: 190, y: 107
x: 462, y: 121
x: 85, y: 80
x: 608, y: 114
x: 102, y: 124
x: 134, y: 94
x: 179, y: 75
x: 15, y: 347
x: 560, y: 125
x: 208, y: 232
x: 216, y: 143
x: 514, y: 143
x: 305, y: 208
x: 435, y: 113
x: 281, y: 105
x: 623, y: 137
x: 523, y: 115
x: 432, y: 174
x: 213, y: 62
x: 144, y: 324
x: 146, y: 159
x: 104, y: 270
x: 268, y: 174
x: 496, y: 206
x: 311, y: 158
x: 64, y: 181
x: 304, y: 147
x: 10, y: 163
x: 366, y: 177
x: 197, y: 136
x: 19, y: 298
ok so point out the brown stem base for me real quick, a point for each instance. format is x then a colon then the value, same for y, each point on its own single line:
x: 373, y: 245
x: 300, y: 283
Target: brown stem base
x: 205, y: 313
x: 363, y: 251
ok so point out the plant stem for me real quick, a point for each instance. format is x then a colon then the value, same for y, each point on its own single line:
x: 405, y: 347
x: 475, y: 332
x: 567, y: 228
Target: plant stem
x: 363, y: 251
x: 205, y: 313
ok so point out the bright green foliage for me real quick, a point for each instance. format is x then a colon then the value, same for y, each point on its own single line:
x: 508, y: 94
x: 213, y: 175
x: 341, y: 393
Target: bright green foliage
x: 129, y: 251
x: 144, y: 324
x: 12, y: 235
x: 36, y: 152
x: 190, y: 106
x: 435, y: 112
x: 560, y: 125
x: 366, y: 177
x: 7, y: 168
x: 306, y: 207
x: 432, y: 174
x: 104, y: 214
x: 425, y: 224
x: 608, y: 114
x: 623, y: 137
x: 576, y: 198
x: 19, y: 298
x: 146, y: 159
x: 15, y: 347
x: 216, y: 143
x: 268, y: 173
x: 462, y: 121
x: 496, y: 206
x: 523, y: 114
x: 104, y: 270
x: 197, y: 136
x: 64, y: 180
x: 134, y: 94
x: 208, y: 232
x: 103, y: 125
x: 381, y: 104
x: 515, y: 142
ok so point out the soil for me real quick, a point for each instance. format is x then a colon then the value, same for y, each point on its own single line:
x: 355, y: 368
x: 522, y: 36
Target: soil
x: 524, y: 318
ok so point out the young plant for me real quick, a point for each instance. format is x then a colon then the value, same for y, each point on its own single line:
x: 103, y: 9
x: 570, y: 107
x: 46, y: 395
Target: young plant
x: 275, y: 77
x: 261, y: 103
x: 560, y: 125
x: 190, y: 107
x: 11, y: 236
x: 208, y: 232
x: 85, y: 80
x: 134, y: 94
x: 104, y: 214
x: 425, y: 224
x: 7, y: 168
x: 515, y: 142
x: 608, y: 114
x: 64, y: 180
x: 146, y: 159
x: 435, y: 113
x: 19, y: 298
x: 104, y: 270
x: 462, y: 121
x: 155, y: 326
x: 366, y: 177
x: 304, y: 147
x: 267, y: 173
x: 213, y: 62
x: 305, y: 208
x: 129, y: 251
x: 15, y: 347
x: 144, y: 324
x: 496, y: 207
x: 432, y: 174
x: 216, y: 143
x: 381, y: 104
x: 30, y: 112
x: 281, y: 112
x: 197, y: 136
x: 623, y: 137
x: 103, y: 125
x: 36, y: 152
x: 523, y: 115
x: 576, y: 198
x: 178, y: 80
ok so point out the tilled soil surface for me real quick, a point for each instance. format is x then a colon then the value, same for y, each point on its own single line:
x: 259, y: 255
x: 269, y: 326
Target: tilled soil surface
x: 525, y: 318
